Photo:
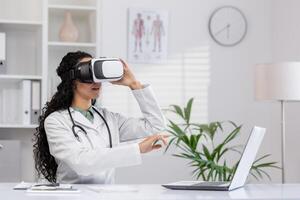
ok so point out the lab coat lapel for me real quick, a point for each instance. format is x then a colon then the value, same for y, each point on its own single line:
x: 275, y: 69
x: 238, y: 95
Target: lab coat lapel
x: 82, y: 120
x: 99, y: 124
x: 97, y: 119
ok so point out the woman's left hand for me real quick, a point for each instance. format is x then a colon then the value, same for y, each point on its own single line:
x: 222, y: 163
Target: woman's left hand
x: 128, y: 78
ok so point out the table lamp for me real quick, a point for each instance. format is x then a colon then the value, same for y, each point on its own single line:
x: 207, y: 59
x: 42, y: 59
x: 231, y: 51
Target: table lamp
x: 278, y: 82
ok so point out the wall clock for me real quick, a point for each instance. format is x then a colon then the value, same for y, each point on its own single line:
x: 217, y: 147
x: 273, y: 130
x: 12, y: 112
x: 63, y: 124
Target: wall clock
x: 227, y: 26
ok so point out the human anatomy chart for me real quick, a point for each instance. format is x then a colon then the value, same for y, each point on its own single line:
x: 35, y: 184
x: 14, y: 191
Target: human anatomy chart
x: 148, y: 31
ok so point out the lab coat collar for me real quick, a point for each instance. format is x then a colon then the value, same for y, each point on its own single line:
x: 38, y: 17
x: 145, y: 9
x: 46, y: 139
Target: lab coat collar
x: 83, y: 121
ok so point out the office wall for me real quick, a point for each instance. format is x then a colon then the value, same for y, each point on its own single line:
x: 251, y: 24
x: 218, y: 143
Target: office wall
x: 230, y: 94
x: 286, y: 31
x: 232, y: 82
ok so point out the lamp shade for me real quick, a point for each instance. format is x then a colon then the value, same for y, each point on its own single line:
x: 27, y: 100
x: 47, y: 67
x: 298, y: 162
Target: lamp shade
x: 277, y: 81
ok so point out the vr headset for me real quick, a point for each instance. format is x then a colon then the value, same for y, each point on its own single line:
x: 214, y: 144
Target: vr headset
x: 98, y: 70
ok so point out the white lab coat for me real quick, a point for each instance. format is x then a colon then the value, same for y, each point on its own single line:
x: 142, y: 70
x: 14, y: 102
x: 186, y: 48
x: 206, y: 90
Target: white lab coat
x: 91, y: 160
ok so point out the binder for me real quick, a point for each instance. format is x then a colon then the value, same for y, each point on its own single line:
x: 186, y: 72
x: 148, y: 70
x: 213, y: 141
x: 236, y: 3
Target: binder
x: 2, y: 52
x: 26, y: 101
x: 35, y: 101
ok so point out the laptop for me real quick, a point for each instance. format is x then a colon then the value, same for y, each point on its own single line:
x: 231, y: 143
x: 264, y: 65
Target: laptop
x: 241, y: 172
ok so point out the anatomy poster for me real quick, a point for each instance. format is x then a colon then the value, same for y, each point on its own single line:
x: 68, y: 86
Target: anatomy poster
x: 148, y: 35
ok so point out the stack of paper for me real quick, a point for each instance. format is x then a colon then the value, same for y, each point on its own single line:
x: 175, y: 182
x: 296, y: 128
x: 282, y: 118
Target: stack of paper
x: 62, y: 188
x: 46, y: 188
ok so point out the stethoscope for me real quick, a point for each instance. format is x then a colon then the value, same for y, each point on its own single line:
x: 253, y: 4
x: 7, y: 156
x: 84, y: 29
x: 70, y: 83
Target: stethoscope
x: 81, y: 128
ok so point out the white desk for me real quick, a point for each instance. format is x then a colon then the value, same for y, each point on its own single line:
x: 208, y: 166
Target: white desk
x: 154, y: 192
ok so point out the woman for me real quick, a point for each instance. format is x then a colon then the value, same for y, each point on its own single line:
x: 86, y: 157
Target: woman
x: 85, y: 156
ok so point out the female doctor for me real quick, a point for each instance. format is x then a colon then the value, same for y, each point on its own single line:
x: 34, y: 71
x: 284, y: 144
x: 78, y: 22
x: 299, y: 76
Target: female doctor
x: 79, y: 143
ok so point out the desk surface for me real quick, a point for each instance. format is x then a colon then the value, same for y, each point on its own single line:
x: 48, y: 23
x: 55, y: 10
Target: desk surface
x: 153, y: 192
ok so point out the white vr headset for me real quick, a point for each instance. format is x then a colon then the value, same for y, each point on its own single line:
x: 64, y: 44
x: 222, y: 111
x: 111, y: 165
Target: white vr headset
x: 98, y: 70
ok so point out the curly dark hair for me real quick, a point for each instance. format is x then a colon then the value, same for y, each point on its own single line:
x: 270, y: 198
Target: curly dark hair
x: 45, y: 163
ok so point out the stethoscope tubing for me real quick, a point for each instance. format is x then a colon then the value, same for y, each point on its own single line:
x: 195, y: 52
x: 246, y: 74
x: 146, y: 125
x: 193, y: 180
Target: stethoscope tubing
x: 81, y: 128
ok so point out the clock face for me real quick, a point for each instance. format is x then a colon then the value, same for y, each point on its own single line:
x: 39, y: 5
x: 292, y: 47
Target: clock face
x: 227, y: 26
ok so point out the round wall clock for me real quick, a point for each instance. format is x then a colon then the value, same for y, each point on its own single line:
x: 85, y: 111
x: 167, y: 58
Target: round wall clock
x: 227, y: 26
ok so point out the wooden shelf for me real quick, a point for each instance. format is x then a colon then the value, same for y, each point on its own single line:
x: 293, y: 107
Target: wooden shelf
x: 71, y: 44
x: 29, y: 126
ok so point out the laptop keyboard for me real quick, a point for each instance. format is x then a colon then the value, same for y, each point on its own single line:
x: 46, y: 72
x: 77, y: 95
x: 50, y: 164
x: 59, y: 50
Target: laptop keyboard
x: 210, y: 183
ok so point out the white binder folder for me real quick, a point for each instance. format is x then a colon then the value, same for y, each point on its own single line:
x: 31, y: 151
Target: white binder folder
x: 2, y: 47
x: 2, y: 52
x: 26, y: 101
x: 35, y: 102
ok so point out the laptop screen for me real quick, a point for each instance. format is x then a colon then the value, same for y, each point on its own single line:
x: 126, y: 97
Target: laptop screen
x: 247, y: 158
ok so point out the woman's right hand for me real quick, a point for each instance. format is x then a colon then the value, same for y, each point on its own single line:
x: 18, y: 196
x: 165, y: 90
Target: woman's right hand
x: 148, y: 144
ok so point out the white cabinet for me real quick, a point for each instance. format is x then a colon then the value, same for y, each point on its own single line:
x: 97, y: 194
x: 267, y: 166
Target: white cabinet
x: 34, y: 49
x: 23, y: 62
x: 10, y: 166
x: 33, y: 52
x: 85, y: 16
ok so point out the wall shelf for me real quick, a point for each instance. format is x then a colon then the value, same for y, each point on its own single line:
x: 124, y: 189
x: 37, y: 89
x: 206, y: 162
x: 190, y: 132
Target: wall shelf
x: 20, y: 24
x: 83, y: 17
x: 86, y: 17
x: 19, y: 77
x: 71, y: 44
x: 29, y: 126
x: 71, y: 7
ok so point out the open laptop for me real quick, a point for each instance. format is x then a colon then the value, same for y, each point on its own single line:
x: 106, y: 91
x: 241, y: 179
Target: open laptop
x: 241, y: 172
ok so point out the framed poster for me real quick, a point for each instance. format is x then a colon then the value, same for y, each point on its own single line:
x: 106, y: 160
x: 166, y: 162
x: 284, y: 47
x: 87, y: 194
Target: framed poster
x: 147, y: 35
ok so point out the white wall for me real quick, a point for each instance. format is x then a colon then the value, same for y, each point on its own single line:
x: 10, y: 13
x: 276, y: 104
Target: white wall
x: 232, y: 82
x: 286, y: 32
x: 171, y: 81
x: 230, y: 93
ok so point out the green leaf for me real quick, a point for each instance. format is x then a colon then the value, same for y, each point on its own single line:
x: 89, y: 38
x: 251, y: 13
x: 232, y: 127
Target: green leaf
x: 261, y: 158
x: 269, y: 164
x: 225, y: 171
x: 252, y: 173
x: 178, y: 110
x: 233, y: 148
x: 187, y: 110
x: 194, y: 139
x: 186, y: 140
x: 204, y: 128
x: 259, y: 173
x: 206, y: 152
x: 266, y: 174
x: 176, y: 128
x: 234, y: 124
x: 232, y: 135
x: 173, y: 132
x: 169, y: 144
x: 219, y: 124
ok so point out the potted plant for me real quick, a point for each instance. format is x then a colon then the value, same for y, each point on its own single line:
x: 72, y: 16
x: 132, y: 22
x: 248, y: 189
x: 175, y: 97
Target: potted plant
x: 198, y: 144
